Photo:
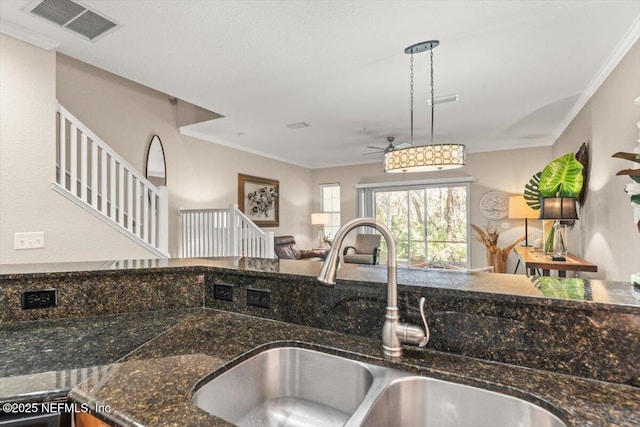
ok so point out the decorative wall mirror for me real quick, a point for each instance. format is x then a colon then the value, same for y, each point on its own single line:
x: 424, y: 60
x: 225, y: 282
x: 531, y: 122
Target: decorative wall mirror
x: 156, y: 167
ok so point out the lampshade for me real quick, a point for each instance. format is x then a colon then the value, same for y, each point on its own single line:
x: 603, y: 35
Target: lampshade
x: 519, y: 209
x: 558, y: 208
x: 320, y: 218
x: 425, y: 158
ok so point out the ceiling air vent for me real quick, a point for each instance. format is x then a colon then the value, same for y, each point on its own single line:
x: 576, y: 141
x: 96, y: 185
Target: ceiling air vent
x: 72, y: 16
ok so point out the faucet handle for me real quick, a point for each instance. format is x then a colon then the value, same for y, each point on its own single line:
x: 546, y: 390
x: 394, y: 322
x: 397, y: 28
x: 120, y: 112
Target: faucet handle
x: 426, y: 326
x: 412, y: 334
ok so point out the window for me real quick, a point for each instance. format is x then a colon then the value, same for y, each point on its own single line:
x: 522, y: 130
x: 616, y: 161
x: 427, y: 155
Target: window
x: 429, y: 223
x: 330, y: 203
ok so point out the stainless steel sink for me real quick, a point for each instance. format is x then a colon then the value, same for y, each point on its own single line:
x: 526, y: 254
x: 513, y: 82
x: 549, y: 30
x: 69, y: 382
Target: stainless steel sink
x: 422, y: 402
x: 287, y: 387
x: 298, y: 387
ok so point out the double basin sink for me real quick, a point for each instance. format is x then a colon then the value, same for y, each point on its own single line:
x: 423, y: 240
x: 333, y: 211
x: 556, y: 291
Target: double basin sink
x: 294, y: 387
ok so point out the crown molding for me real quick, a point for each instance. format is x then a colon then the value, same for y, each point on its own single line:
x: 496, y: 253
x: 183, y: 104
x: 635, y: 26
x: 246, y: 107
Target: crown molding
x: 28, y: 36
x: 626, y: 43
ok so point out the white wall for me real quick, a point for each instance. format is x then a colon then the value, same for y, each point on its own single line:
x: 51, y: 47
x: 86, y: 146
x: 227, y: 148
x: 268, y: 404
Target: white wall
x: 506, y: 171
x: 606, y: 233
x: 27, y: 168
x: 199, y: 174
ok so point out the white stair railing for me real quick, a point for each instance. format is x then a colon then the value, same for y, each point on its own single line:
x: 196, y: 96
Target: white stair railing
x: 223, y: 232
x: 94, y: 176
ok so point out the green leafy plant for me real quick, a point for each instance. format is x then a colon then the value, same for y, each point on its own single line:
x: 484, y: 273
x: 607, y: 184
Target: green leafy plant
x: 561, y: 288
x: 562, y: 177
x: 532, y: 192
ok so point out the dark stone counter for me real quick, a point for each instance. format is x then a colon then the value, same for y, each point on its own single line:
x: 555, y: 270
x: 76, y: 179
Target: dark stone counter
x: 528, y: 337
x: 560, y: 291
x: 44, y: 359
x: 573, y: 326
x: 153, y: 386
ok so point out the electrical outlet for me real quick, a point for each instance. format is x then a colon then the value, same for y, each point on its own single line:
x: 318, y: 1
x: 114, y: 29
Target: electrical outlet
x: 39, y: 298
x: 223, y: 291
x: 28, y: 240
x: 259, y: 297
x: 505, y: 225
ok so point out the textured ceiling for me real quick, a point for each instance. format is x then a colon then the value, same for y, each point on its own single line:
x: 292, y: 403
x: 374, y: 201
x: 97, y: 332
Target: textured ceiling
x: 522, y: 68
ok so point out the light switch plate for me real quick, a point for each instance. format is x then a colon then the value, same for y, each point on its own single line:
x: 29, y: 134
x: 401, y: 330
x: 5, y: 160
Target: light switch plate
x: 33, y: 240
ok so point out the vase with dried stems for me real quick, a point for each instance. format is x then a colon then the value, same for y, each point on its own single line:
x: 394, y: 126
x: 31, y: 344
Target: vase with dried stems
x: 496, y: 256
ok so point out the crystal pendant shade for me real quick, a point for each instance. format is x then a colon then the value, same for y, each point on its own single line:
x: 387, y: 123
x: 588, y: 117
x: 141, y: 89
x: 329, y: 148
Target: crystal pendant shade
x: 425, y: 158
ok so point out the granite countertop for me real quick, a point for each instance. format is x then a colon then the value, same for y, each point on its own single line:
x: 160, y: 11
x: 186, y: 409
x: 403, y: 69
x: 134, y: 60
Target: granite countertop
x: 569, y: 292
x: 43, y: 360
x: 153, y: 385
x: 143, y: 366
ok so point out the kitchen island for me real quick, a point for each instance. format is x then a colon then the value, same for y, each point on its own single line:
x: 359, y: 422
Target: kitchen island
x: 152, y: 359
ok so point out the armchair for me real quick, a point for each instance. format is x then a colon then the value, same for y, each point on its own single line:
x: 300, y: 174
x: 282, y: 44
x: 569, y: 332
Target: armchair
x: 286, y: 248
x: 366, y: 250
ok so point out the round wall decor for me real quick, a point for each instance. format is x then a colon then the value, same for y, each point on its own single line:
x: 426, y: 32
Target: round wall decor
x: 494, y: 205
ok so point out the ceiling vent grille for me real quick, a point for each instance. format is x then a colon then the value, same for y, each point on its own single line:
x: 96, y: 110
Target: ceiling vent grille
x: 72, y: 16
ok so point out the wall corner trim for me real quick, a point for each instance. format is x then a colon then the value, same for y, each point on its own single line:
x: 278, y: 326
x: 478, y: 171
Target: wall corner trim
x: 28, y: 36
x: 626, y: 43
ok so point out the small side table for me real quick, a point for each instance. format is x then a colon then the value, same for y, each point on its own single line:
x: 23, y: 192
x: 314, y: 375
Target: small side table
x: 537, y: 260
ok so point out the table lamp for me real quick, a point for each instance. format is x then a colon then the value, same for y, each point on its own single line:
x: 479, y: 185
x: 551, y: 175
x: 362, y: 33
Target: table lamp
x: 519, y: 209
x: 559, y: 209
x: 320, y: 219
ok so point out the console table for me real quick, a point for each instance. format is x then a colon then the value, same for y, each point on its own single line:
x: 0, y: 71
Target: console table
x: 537, y: 260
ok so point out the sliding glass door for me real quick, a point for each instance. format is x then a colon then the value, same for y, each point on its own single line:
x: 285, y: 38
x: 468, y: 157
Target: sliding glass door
x: 429, y: 224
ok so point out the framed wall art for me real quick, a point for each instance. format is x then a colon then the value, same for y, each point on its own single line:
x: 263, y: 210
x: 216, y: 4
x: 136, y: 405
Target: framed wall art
x: 258, y: 198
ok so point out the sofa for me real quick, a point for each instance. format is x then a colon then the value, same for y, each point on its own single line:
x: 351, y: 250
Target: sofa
x: 286, y: 248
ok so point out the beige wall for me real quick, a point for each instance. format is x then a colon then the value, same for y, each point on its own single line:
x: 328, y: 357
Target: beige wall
x: 506, y: 171
x: 606, y: 233
x: 27, y: 168
x: 199, y: 174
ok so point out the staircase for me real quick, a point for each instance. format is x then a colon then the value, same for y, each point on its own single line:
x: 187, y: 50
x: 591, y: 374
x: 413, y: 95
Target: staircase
x: 92, y: 175
x: 223, y: 233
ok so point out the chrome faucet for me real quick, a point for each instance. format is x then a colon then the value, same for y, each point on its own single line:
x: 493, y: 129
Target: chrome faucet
x: 394, y: 333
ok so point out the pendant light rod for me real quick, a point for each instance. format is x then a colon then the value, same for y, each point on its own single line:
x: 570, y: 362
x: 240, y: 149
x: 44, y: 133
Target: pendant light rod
x: 430, y: 157
x: 411, y: 92
x: 419, y: 48
x: 433, y: 104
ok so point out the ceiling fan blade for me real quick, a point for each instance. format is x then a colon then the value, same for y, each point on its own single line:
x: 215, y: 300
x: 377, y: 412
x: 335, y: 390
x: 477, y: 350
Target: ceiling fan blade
x: 382, y: 150
x: 404, y: 144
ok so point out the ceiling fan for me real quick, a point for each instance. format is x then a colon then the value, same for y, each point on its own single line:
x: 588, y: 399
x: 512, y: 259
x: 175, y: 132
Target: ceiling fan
x: 390, y: 147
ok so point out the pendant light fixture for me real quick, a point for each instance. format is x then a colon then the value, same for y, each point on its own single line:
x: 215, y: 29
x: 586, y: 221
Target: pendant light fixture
x: 424, y: 158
